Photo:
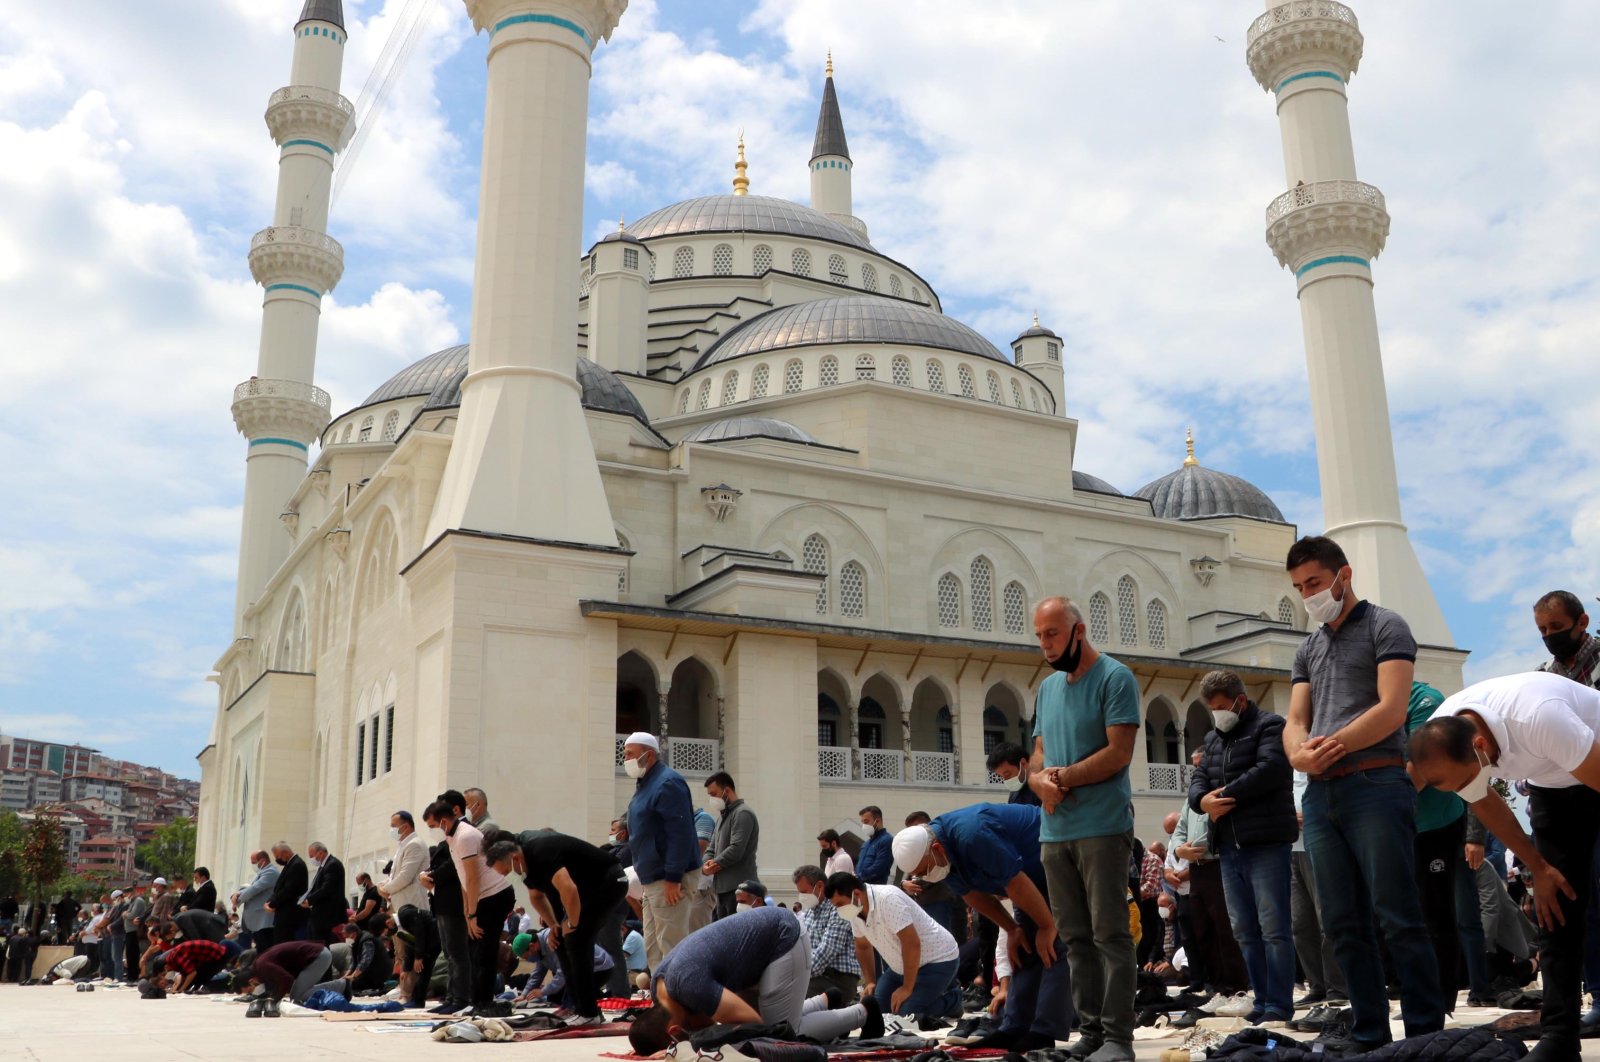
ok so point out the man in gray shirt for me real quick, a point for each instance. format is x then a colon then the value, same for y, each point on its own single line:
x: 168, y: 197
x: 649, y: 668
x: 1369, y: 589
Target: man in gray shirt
x: 1351, y: 687
x: 731, y: 856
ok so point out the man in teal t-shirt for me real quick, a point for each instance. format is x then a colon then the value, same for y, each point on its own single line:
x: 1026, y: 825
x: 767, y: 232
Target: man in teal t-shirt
x: 1086, y: 718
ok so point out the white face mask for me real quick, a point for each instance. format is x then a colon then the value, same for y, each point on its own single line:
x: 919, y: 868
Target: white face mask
x: 868, y: 829
x: 1165, y: 913
x: 633, y: 768
x: 935, y: 874
x: 1478, y: 788
x: 751, y: 906
x: 808, y: 900
x: 716, y: 805
x: 611, y: 838
x: 394, y: 833
x: 1224, y: 720
x: 850, y: 911
x: 1015, y: 783
x: 1323, y: 607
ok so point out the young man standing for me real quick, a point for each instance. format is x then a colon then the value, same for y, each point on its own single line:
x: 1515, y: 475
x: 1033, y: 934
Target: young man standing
x: 731, y: 856
x: 876, y: 862
x: 1351, y: 685
x: 1085, y: 722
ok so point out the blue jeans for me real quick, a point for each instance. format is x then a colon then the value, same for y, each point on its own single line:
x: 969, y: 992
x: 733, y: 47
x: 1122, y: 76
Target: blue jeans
x: 1469, y: 927
x: 936, y: 996
x: 115, y: 970
x: 1361, y: 830
x: 1040, y: 998
x: 1256, y: 882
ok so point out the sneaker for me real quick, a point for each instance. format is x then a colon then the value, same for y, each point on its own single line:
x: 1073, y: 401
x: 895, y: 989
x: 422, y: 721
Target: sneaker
x: 1210, y: 1006
x: 1236, y: 1007
x: 968, y: 1030
x: 492, y: 1009
x: 1310, y: 999
x: 466, y: 1012
x: 1267, y: 1017
x: 1202, y: 1040
x: 1314, y: 1019
x: 873, y: 1027
x: 1188, y: 1019
x: 577, y: 1021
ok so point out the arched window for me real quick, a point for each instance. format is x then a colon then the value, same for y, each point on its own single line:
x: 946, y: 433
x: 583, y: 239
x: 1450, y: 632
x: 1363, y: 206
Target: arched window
x: 1286, y: 611
x: 828, y: 373
x: 1033, y: 399
x: 936, y: 376
x: 949, y: 600
x: 853, y: 590
x: 869, y: 278
x: 968, y: 388
x: 993, y: 379
x: 792, y: 377
x: 349, y: 430
x: 1016, y: 394
x: 761, y: 259
x: 895, y: 287
x: 814, y: 558
x: 1127, y: 606
x: 683, y: 401
x: 652, y: 265
x: 683, y: 262
x: 836, y: 270
x: 391, y: 425
x: 1099, y: 619
x: 901, y: 370
x: 1015, y: 604
x: 866, y: 367
x: 800, y: 262
x: 1155, y: 624
x: 704, y: 399
x: 916, y: 294
x: 722, y: 260
x: 730, y: 388
x: 982, y: 590
x: 366, y: 430
x: 758, y: 381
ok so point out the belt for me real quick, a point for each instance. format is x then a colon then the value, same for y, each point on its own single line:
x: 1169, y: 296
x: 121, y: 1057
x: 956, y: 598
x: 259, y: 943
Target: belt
x: 1342, y: 770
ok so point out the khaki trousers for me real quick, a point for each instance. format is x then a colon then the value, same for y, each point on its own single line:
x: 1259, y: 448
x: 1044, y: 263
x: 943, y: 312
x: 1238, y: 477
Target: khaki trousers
x: 665, y: 925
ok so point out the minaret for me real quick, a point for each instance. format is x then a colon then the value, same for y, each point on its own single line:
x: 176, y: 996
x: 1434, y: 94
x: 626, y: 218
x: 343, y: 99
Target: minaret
x: 830, y: 161
x: 522, y: 462
x: 296, y: 262
x: 1327, y: 228
x: 1038, y: 350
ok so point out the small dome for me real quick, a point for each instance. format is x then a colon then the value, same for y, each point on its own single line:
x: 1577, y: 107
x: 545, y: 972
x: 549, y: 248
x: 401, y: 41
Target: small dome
x: 1093, y: 484
x: 732, y: 428
x: 852, y: 319
x: 1194, y: 492
x: 621, y: 236
x: 1037, y: 330
x: 743, y: 213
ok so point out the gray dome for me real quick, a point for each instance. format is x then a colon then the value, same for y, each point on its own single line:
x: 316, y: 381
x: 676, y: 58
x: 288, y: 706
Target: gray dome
x: 439, y: 376
x: 743, y: 213
x: 854, y: 319
x: 1093, y: 484
x: 1196, y: 493
x: 749, y: 428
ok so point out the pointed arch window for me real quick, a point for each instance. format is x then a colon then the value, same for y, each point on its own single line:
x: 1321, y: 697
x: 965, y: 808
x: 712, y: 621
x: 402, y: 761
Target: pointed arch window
x: 1127, y: 608
x: 1099, y: 619
x: 703, y: 399
x: 722, y: 260
x: 366, y: 430
x: 1033, y: 399
x: 1286, y: 611
x: 814, y: 558
x: 993, y: 380
x: 1155, y: 624
x: 949, y: 600
x: 853, y: 590
x: 982, y: 589
x: 1016, y: 394
x: 901, y: 370
x: 683, y: 262
x: 758, y: 381
x: 683, y: 401
x: 1014, y: 604
x: 895, y: 287
x: 730, y: 388
x: 828, y: 374
x: 800, y: 262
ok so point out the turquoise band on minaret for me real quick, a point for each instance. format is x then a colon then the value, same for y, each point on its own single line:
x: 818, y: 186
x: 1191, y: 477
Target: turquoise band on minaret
x: 546, y: 20
x: 1333, y: 259
x: 1306, y: 74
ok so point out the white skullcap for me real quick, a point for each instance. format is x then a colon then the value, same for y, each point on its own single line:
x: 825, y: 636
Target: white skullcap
x: 161, y: 881
x: 640, y: 737
x: 911, y: 847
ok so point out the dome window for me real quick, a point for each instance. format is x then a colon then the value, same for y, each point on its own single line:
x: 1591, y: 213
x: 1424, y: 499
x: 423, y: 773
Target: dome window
x: 1033, y: 399
x: 993, y: 380
x: 722, y: 260
x: 836, y: 269
x: 366, y: 430
x: 792, y: 377
x: 936, y: 376
x: 869, y: 278
x: 1016, y: 394
x: 902, y: 371
x: 895, y: 287
x: 866, y: 367
x: 683, y: 401
x: 758, y: 381
x: 730, y: 388
x: 761, y: 259
x: 828, y: 374
x: 916, y: 294
x: 391, y: 425
x: 969, y: 389
x: 800, y: 262
x: 703, y: 400
x: 683, y: 262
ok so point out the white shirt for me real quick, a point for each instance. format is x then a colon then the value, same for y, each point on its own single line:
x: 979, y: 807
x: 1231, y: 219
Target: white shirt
x: 1544, y: 724
x: 467, y: 843
x: 889, y: 911
x: 1177, y: 865
x: 839, y: 863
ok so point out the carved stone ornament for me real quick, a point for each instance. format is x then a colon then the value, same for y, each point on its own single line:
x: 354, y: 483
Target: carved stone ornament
x: 722, y: 500
x: 1205, y: 568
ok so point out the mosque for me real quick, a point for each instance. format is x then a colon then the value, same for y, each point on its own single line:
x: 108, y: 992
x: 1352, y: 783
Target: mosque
x: 732, y: 476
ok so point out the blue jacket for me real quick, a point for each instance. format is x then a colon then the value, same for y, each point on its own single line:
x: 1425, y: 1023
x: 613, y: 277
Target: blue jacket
x: 989, y: 844
x: 876, y: 859
x: 253, y: 899
x: 661, y: 827
x: 1248, y: 763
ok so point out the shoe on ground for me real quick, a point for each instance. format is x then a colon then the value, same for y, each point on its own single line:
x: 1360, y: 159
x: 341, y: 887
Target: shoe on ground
x: 1111, y: 1051
x: 1310, y: 999
x: 1314, y: 1019
x: 1590, y: 1019
x: 1188, y: 1019
x: 1236, y: 1007
x: 1032, y: 1041
x: 931, y: 1023
x: 577, y: 1021
x: 270, y: 1009
x: 1210, y: 1006
x: 872, y: 1028
x: 257, y: 1005
x: 996, y: 1041
x: 1488, y: 1001
x: 1264, y: 1017
x: 1551, y: 1049
x: 1085, y: 1045
x: 449, y: 1006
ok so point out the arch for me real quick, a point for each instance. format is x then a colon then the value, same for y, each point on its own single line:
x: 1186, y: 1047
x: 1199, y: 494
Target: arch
x: 969, y: 388
x: 833, y: 723
x: 692, y: 700
x: 1118, y: 561
x: 895, y: 287
x: 1014, y: 608
x: 853, y: 590
x: 702, y: 400
x: 846, y: 540
x: 957, y: 552
x: 878, y: 715
x: 828, y: 371
x: 866, y: 367
x: 869, y: 277
x: 291, y: 654
x: 981, y: 588
x: 793, y: 376
x: 1161, y: 732
x: 836, y: 269
x: 391, y: 425
x: 683, y: 401
x: 722, y: 260
x: 814, y: 558
x: 916, y: 293
x: 366, y: 430
x: 758, y: 381
x: 1033, y: 399
x: 1197, y: 723
x: 683, y: 262
x: 1286, y: 613
x: 930, y: 727
x: 901, y: 370
x: 800, y: 262
x: 730, y: 388
x: 948, y: 600
x: 349, y: 429
x: 1127, y: 611
x: 761, y: 259
x: 1099, y: 618
x: 1003, y: 717
x: 1155, y: 623
x: 1016, y: 394
x: 992, y: 378
x: 638, y: 698
x: 379, y: 569
x: 936, y: 376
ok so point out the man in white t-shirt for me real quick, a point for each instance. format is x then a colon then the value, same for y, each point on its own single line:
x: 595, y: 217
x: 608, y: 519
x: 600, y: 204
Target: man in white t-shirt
x: 486, y: 897
x: 919, y: 955
x: 1541, y: 727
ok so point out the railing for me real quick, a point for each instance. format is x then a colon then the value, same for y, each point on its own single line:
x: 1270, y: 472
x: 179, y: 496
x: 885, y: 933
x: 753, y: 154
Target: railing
x: 1305, y: 195
x: 1296, y: 11
x: 283, y: 389
x: 622, y: 741
x: 833, y: 761
x: 297, y: 235
x: 692, y: 755
x: 882, y: 765
x: 1167, y: 777
x: 316, y: 95
x: 936, y: 768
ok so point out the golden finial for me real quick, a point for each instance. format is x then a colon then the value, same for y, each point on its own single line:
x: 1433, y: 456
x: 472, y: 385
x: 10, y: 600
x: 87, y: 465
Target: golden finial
x: 1191, y: 461
x: 1036, y: 318
x: 741, y: 178
x: 830, y: 62
x: 622, y: 223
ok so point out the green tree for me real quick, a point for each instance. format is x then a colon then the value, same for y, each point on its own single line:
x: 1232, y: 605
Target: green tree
x: 11, y: 837
x: 44, y: 856
x: 170, y: 850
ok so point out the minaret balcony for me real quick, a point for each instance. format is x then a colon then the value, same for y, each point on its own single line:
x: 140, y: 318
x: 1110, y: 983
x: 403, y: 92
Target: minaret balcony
x: 308, y: 113
x: 284, y: 408
x: 290, y: 252
x: 1326, y: 217
x: 1310, y: 38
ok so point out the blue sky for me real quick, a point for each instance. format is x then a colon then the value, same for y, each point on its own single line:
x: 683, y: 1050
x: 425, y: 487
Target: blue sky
x: 1093, y: 161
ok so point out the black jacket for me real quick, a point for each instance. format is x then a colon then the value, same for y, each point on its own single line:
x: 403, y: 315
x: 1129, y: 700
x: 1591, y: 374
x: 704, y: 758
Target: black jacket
x: 1248, y: 763
x: 328, y: 905
x: 205, y: 898
x: 446, y: 896
x: 291, y: 885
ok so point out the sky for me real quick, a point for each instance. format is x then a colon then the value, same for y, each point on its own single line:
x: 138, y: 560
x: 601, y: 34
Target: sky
x: 1102, y: 166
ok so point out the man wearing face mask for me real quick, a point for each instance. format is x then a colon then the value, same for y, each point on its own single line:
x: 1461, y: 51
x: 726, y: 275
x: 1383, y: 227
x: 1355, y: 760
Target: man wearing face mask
x: 1245, y: 786
x: 1541, y: 727
x: 1010, y: 761
x: 731, y: 856
x: 288, y: 917
x: 255, y: 921
x: 1564, y: 627
x: 1086, y: 719
x: 402, y: 886
x: 1350, y: 688
x: 833, y: 957
x: 876, y: 861
x: 666, y: 853
x: 920, y: 957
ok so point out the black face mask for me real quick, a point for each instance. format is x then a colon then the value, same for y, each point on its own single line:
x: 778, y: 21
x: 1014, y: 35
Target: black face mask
x: 1564, y: 645
x: 451, y: 832
x: 1070, y: 657
x: 283, y: 862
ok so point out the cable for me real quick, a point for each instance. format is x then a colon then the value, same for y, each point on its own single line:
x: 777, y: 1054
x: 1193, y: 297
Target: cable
x: 397, y: 50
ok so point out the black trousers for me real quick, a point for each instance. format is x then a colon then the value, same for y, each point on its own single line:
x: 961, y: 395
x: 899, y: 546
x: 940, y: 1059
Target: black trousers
x: 1439, y: 857
x: 1213, y: 933
x: 1565, y: 825
x: 610, y: 940
x: 577, y: 948
x: 484, y: 953
x: 1153, y: 930
x: 457, y: 950
x: 727, y: 904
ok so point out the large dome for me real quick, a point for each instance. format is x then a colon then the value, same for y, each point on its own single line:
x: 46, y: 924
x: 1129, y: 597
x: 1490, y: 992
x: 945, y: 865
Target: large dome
x: 439, y: 376
x: 1194, y: 492
x: 848, y: 319
x: 743, y: 213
